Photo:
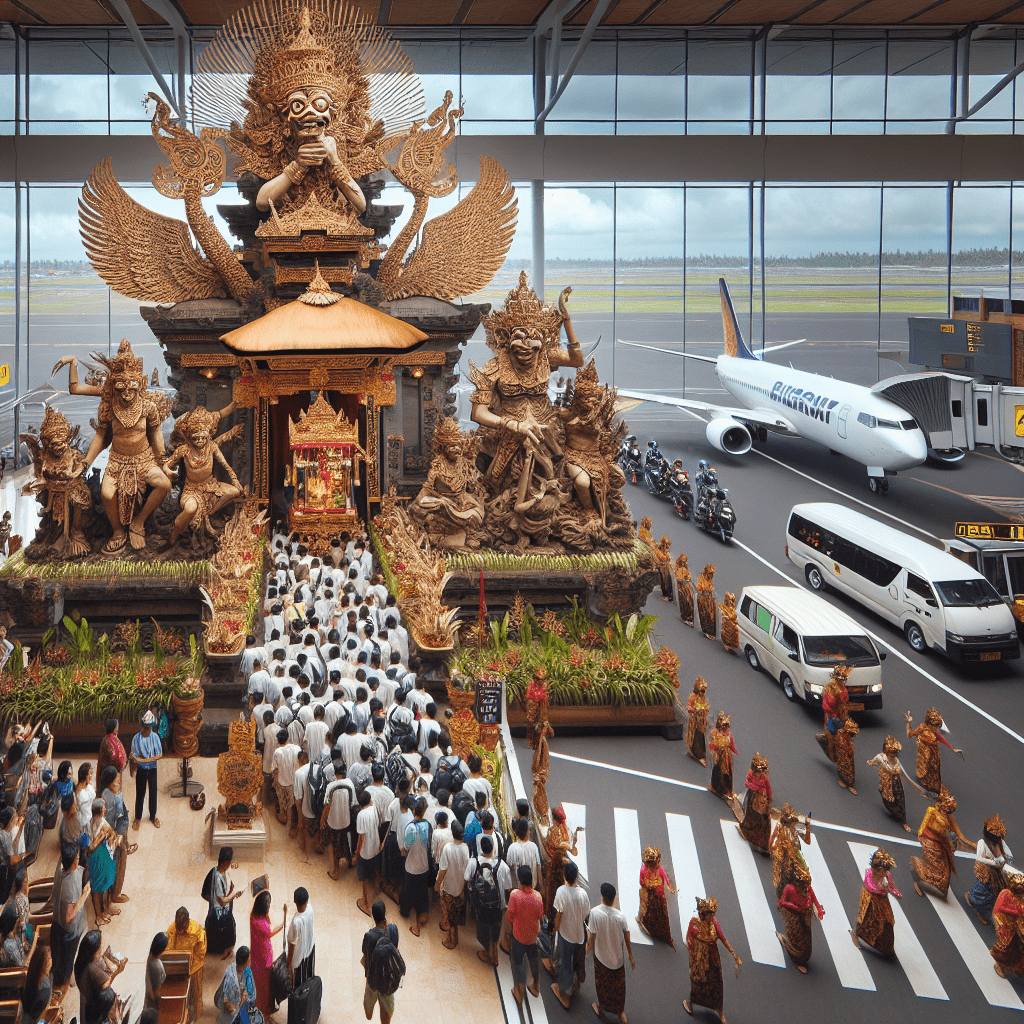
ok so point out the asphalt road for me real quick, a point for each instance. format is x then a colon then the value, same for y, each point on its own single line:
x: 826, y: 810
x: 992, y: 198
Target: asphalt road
x: 763, y: 491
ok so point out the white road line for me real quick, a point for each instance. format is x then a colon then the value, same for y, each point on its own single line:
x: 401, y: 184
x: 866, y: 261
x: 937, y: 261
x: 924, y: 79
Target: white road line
x: 757, y: 915
x: 909, y: 951
x: 627, y: 859
x: 686, y: 873
x: 844, y: 494
x: 533, y: 1009
x: 899, y: 654
x: 971, y: 946
x: 576, y: 814
x: 849, y: 960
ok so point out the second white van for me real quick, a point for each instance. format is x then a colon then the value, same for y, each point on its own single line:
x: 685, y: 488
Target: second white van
x: 937, y: 600
x: 798, y: 638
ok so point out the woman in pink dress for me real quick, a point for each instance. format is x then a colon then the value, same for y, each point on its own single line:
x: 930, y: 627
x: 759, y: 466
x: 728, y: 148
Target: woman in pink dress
x: 260, y: 952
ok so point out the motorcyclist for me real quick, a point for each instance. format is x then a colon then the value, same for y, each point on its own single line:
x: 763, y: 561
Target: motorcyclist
x: 679, y: 475
x: 707, y: 484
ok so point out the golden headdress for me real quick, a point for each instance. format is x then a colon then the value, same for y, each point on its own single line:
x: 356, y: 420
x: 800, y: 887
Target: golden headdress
x: 587, y: 382
x: 892, y: 745
x: 708, y: 906
x: 722, y: 719
x: 124, y: 363
x: 946, y: 801
x: 839, y: 675
x: 55, y: 427
x: 1015, y: 883
x: 882, y: 860
x: 446, y: 431
x: 651, y: 856
x: 306, y: 63
x: 759, y: 763
x: 522, y: 308
x: 700, y: 685
x: 933, y: 718
x: 788, y: 815
x: 994, y: 826
x: 800, y: 873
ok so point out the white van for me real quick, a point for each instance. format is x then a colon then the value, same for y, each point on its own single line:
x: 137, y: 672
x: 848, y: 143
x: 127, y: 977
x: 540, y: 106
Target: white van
x: 937, y: 600
x: 798, y: 638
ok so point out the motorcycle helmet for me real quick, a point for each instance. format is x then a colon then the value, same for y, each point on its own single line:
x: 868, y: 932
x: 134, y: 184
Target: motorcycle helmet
x: 631, y: 439
x: 652, y: 444
x: 702, y: 465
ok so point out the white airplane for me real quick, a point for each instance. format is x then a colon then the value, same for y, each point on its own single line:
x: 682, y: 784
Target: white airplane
x: 846, y: 418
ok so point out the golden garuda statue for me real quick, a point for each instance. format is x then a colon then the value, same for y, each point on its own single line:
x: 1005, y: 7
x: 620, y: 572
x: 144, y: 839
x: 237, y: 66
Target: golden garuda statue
x: 310, y: 97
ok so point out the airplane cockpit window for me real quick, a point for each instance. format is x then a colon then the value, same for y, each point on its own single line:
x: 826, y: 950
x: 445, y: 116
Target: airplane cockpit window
x: 867, y: 420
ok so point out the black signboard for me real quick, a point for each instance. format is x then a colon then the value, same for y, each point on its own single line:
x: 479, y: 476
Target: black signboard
x: 488, y: 701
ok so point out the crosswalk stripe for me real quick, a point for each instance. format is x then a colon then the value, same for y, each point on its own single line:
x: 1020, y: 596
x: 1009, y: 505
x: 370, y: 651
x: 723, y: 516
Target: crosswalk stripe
x: 533, y: 1009
x: 627, y: 858
x: 576, y: 815
x: 971, y: 946
x: 757, y: 915
x: 909, y: 951
x: 685, y: 863
x: 849, y: 960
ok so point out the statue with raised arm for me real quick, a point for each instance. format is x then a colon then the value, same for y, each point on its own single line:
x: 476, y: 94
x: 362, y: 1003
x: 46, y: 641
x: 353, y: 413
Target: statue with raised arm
x: 128, y: 422
x: 194, y: 443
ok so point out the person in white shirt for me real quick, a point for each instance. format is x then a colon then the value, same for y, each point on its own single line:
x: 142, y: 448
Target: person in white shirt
x: 356, y: 581
x: 301, y: 795
x: 270, y: 730
x: 521, y: 853
x: 351, y: 743
x: 367, y: 850
x: 275, y: 620
x: 428, y: 726
x: 337, y: 818
x: 286, y: 759
x: 487, y: 932
x: 258, y: 679
x: 258, y: 708
x: 433, y: 753
x: 250, y: 655
x: 301, y: 941
x: 272, y: 690
x: 572, y: 907
x: 442, y: 832
x: 315, y: 738
x: 379, y: 793
x: 451, y: 884
x: 608, y: 940
x: 476, y: 783
x: 366, y: 558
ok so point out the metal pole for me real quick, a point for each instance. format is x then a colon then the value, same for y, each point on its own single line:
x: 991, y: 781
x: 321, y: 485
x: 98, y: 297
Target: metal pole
x: 881, y: 223
x: 537, y: 185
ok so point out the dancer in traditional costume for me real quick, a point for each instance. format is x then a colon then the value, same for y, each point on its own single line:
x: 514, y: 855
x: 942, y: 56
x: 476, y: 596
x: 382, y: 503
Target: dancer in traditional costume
x: 874, y: 918
x: 846, y: 764
x: 785, y: 848
x: 702, y: 938
x: 932, y: 869
x: 929, y: 760
x: 1008, y: 915
x: 559, y: 845
x: 835, y: 704
x: 722, y: 748
x: 992, y: 855
x: 654, y: 886
x: 697, y: 708
x: 890, y: 780
x: 796, y: 903
x: 756, y: 825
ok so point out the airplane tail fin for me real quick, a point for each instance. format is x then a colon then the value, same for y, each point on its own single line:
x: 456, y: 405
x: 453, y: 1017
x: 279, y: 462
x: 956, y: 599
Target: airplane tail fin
x: 734, y: 344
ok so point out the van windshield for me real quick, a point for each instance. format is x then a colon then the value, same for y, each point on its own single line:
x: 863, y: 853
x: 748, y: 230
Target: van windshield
x: 839, y: 650
x: 968, y: 594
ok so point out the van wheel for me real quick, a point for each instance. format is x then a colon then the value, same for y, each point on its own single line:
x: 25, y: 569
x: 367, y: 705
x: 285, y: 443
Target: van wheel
x: 752, y: 659
x: 788, y: 688
x: 814, y: 578
x: 915, y: 637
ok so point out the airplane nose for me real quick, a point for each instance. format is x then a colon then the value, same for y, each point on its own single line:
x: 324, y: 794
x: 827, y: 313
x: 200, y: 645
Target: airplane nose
x: 911, y: 449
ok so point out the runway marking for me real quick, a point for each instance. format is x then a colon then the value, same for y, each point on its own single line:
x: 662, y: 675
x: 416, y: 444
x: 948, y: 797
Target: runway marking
x: 960, y: 494
x: 843, y: 494
x: 849, y: 960
x: 971, y: 947
x: 685, y: 862
x: 758, y: 922
x: 1005, y: 462
x: 899, y: 654
x: 627, y: 859
x: 909, y: 951
x: 576, y: 814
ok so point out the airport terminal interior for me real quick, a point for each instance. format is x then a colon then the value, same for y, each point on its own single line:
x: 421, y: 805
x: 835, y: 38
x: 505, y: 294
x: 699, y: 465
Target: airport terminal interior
x: 525, y: 500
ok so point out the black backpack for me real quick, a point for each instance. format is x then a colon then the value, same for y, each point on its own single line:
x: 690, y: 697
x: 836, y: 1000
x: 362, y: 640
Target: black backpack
x: 448, y: 775
x: 484, y: 895
x: 386, y: 967
x: 395, y: 769
x: 462, y: 805
x: 207, y: 890
x: 318, y: 783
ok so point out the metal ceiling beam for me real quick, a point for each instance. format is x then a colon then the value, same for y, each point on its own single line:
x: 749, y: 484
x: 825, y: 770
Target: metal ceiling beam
x: 990, y: 95
x: 554, y: 12
x: 182, y: 43
x: 581, y: 48
x: 121, y: 6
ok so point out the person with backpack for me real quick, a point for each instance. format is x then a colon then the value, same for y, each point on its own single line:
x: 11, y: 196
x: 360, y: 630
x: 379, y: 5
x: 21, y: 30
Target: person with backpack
x: 524, y: 913
x: 382, y: 964
x: 451, y: 885
x: 447, y: 775
x: 472, y: 824
x: 488, y: 879
x: 415, y: 898
x: 336, y: 818
x: 476, y: 783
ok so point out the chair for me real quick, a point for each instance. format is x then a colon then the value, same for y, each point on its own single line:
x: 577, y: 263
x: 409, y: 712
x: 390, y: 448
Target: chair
x: 177, y: 998
x: 10, y: 1011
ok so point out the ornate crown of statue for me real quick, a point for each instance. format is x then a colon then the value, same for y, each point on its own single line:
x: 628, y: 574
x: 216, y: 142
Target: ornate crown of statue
x: 882, y: 860
x: 522, y: 308
x: 700, y: 685
x: 587, y: 382
x: 447, y: 431
x: 304, y: 64
x: 759, y: 763
x: 55, y: 427
x: 946, y: 801
x: 788, y: 815
x: 708, y: 906
x: 1015, y: 882
x: 722, y: 719
x: 892, y: 745
x: 198, y: 418
x: 124, y: 364
x: 839, y: 675
x: 933, y: 718
x: 651, y: 856
x: 995, y: 826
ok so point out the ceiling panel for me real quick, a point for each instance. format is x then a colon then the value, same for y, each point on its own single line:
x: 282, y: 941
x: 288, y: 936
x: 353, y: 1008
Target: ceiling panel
x: 501, y: 12
x: 686, y: 12
x: 757, y: 12
x: 66, y: 12
x: 625, y: 12
x: 8, y: 12
x: 422, y: 12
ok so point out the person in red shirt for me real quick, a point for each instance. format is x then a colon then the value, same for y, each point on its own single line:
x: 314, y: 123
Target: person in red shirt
x: 525, y: 910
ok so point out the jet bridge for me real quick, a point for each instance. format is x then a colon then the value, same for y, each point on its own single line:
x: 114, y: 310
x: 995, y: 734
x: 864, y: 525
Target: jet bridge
x: 958, y: 414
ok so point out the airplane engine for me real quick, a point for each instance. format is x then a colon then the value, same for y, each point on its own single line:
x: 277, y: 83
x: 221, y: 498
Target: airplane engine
x: 729, y: 436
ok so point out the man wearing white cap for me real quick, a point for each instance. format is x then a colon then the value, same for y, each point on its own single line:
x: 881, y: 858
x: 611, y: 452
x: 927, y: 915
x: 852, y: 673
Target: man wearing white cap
x: 146, y: 751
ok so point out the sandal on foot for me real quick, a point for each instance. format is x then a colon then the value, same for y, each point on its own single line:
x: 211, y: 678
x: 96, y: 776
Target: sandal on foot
x: 447, y: 944
x: 483, y: 958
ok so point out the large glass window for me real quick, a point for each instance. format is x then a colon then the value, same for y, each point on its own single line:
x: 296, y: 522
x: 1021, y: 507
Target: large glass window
x: 918, y: 86
x: 858, y: 86
x: 798, y: 87
x: 651, y: 86
x: 980, y: 256
x: 719, y: 86
x: 587, y: 107
x: 497, y: 84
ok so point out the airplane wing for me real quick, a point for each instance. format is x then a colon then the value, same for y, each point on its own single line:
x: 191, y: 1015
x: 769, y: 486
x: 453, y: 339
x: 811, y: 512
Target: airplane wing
x: 704, y: 359
x: 767, y: 418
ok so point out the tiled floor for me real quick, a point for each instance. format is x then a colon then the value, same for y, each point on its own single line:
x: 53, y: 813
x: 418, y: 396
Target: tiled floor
x: 167, y: 871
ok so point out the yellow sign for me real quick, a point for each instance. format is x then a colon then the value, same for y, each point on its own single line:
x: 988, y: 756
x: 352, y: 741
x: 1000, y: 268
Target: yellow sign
x: 5, y: 375
x: 1018, y: 419
x: 946, y: 328
x: 990, y: 531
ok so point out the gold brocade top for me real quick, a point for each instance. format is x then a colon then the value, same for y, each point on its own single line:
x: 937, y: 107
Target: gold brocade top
x: 935, y: 822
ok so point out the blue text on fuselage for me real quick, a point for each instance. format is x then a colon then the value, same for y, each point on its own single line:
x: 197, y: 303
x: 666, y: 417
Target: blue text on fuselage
x: 817, y: 407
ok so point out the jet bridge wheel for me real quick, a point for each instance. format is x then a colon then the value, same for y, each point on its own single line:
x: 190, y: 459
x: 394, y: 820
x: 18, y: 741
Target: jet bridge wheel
x: 878, y: 484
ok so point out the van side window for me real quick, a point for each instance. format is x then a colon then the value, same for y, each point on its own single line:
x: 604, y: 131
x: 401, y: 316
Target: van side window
x: 764, y: 618
x: 993, y: 569
x: 786, y: 635
x: 748, y: 608
x: 916, y: 585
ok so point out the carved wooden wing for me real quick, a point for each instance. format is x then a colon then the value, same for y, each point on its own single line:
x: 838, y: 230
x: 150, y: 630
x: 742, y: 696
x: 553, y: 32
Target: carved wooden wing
x: 463, y: 249
x: 141, y: 254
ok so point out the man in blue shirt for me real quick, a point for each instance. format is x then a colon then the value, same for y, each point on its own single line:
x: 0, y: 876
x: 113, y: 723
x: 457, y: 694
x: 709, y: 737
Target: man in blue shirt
x: 146, y: 751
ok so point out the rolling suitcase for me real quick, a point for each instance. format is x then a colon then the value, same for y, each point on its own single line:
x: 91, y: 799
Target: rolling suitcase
x: 304, y: 1002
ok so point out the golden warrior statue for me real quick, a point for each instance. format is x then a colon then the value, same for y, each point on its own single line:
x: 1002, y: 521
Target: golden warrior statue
x: 129, y: 424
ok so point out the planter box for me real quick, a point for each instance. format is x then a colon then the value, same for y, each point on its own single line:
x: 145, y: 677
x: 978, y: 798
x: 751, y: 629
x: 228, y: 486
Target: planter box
x: 75, y: 731
x: 598, y: 715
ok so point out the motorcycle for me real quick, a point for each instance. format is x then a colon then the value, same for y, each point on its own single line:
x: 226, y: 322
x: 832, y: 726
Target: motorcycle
x: 657, y: 474
x: 629, y: 459
x: 715, y: 514
x: 679, y: 491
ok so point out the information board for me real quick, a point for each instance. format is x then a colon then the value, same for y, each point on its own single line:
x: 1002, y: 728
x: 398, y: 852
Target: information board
x: 990, y: 531
x: 488, y: 701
